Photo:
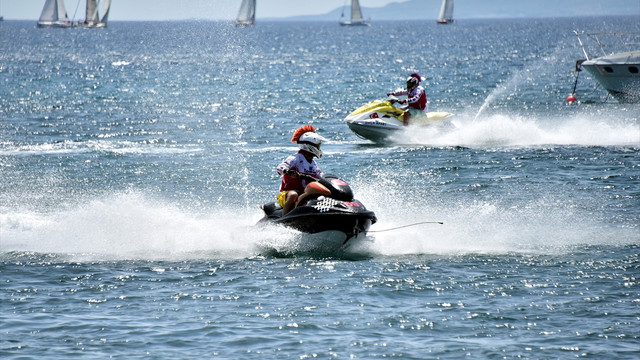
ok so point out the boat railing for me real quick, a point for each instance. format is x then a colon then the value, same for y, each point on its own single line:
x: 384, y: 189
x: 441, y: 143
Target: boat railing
x: 598, y: 44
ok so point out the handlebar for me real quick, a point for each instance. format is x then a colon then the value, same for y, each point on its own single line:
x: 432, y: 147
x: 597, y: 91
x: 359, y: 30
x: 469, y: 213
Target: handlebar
x: 392, y: 99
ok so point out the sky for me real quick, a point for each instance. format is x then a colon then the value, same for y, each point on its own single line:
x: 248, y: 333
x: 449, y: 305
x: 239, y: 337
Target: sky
x: 125, y: 10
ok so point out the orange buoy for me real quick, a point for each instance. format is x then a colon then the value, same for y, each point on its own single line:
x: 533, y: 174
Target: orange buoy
x: 571, y: 98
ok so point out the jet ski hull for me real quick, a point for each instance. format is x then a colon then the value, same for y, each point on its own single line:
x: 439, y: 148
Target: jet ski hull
x: 349, y: 224
x: 376, y: 131
x: 322, y: 244
x: 379, y: 121
x: 323, y: 214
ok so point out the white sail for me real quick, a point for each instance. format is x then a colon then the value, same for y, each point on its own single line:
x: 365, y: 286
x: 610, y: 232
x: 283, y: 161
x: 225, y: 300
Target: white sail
x: 105, y: 15
x: 247, y: 13
x: 446, y: 12
x: 49, y: 11
x: 356, y: 15
x: 62, y: 11
x: 92, y: 13
x: 54, y: 13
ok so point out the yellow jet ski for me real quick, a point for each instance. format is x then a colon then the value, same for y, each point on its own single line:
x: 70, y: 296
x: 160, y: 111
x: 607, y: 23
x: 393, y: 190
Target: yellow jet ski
x: 380, y: 119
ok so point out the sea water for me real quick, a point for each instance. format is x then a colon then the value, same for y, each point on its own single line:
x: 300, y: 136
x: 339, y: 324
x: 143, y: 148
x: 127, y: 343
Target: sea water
x: 133, y: 161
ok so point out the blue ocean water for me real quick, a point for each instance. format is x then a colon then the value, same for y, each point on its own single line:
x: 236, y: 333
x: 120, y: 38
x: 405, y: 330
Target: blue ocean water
x: 133, y: 161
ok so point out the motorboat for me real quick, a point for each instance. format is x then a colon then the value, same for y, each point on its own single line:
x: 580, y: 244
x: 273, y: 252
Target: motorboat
x: 334, y: 215
x: 617, y: 72
x: 380, y: 120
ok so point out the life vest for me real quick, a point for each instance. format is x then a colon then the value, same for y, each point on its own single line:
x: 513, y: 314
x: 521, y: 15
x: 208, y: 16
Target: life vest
x: 299, y: 163
x: 421, y: 104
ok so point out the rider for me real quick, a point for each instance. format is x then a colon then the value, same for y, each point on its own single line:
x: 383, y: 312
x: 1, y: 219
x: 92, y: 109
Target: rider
x: 301, y: 163
x: 416, y: 97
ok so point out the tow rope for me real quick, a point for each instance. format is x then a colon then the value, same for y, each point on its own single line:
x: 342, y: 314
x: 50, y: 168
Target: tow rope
x: 408, y: 225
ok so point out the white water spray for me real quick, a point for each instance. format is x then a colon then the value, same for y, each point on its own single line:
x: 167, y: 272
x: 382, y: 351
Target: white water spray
x: 128, y: 226
x: 582, y: 128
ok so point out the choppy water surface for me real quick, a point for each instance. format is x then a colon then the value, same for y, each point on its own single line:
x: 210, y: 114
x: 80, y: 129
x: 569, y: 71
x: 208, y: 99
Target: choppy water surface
x: 133, y: 160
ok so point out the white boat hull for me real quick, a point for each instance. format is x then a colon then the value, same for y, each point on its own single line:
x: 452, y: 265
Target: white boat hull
x: 354, y: 23
x: 58, y: 24
x: 619, y: 74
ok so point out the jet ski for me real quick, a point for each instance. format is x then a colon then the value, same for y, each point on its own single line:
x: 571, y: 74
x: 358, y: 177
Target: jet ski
x: 334, y: 213
x: 380, y: 119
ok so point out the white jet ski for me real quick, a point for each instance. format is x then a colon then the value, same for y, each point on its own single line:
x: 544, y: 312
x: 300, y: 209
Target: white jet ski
x: 380, y: 119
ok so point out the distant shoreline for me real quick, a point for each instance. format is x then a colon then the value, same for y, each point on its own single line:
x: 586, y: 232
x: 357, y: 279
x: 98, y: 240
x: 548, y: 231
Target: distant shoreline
x: 323, y: 20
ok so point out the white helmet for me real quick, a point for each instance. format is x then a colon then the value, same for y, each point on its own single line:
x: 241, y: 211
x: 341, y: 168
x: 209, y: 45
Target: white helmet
x: 311, y: 142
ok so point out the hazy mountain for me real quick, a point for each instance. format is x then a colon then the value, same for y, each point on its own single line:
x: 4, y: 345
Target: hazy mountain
x: 479, y: 9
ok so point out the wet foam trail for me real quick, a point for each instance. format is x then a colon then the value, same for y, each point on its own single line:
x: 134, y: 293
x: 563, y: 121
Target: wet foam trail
x: 546, y: 224
x: 488, y: 229
x: 583, y: 129
x: 128, y: 226
x: 134, y: 226
x: 114, y: 147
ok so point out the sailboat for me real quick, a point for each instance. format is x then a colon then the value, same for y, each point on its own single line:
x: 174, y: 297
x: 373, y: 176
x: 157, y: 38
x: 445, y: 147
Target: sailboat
x: 356, y: 16
x: 446, y: 12
x: 92, y: 14
x: 247, y: 13
x: 54, y: 14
